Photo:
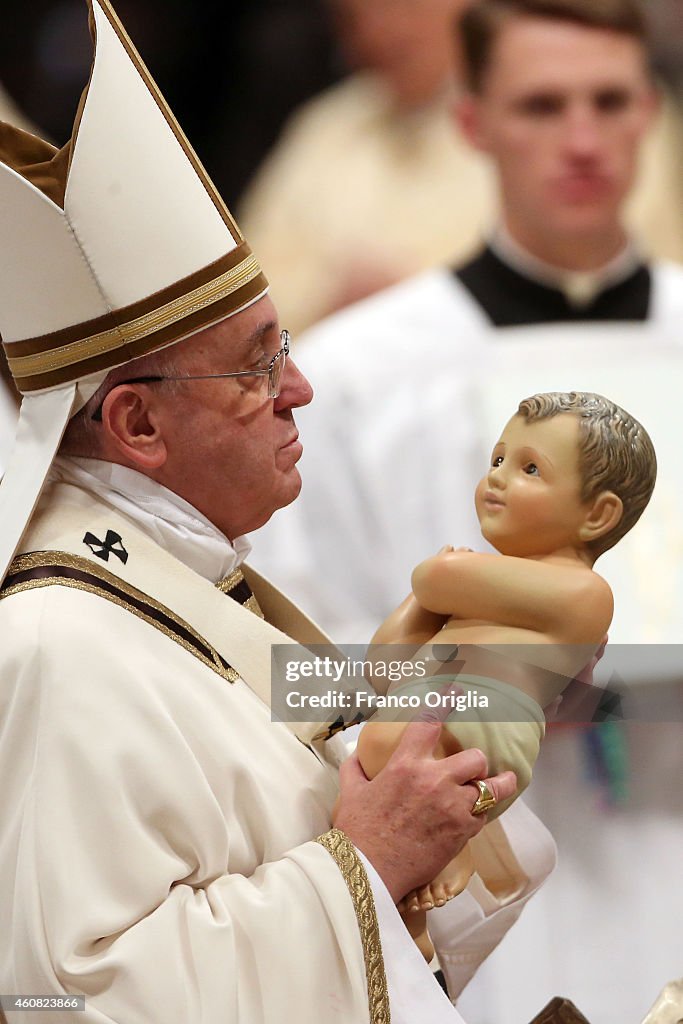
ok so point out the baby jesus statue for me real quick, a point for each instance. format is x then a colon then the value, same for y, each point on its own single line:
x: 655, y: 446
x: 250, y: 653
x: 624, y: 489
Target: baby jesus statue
x: 569, y: 477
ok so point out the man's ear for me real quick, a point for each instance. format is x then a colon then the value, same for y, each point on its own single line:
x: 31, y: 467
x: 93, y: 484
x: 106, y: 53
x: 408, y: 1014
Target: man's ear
x: 467, y: 115
x: 132, y: 427
x: 604, y: 515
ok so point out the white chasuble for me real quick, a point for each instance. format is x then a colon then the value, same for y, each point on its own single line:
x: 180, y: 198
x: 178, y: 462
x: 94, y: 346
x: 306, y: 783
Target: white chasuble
x: 158, y: 826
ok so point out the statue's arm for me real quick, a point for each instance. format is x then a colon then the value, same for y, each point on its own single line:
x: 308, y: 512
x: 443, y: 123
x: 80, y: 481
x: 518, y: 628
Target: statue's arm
x: 571, y: 604
x: 410, y: 623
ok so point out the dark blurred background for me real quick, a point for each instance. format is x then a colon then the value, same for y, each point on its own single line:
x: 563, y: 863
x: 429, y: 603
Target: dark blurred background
x: 231, y: 72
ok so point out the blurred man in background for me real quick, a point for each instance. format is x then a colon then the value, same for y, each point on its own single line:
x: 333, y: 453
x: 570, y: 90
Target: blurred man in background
x: 374, y: 181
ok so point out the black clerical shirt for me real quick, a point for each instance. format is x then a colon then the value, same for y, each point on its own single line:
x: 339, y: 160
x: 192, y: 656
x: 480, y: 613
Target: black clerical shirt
x: 511, y: 299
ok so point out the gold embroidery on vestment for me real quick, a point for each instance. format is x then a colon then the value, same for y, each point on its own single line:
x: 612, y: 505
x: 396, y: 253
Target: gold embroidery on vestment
x: 340, y: 847
x: 252, y: 604
x: 227, y: 585
x: 230, y: 582
x: 38, y: 559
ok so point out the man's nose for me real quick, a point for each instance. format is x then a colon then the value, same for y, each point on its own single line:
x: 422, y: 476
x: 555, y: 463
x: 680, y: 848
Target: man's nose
x: 583, y: 132
x: 295, y: 389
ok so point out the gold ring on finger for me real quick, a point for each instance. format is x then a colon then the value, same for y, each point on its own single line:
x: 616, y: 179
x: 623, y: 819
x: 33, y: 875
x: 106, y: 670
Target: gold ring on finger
x: 485, y: 801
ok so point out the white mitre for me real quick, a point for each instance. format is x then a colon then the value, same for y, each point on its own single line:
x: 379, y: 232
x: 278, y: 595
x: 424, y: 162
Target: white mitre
x: 115, y: 246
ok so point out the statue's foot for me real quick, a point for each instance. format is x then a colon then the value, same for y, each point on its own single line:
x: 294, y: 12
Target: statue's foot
x: 443, y: 891
x: 410, y: 904
x: 428, y: 897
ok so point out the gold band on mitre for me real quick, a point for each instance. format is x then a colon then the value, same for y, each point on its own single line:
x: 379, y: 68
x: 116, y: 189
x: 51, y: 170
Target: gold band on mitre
x: 143, y: 327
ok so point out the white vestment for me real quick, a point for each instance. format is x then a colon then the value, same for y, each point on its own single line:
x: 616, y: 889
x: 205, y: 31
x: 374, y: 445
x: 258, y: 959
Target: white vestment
x: 159, y: 829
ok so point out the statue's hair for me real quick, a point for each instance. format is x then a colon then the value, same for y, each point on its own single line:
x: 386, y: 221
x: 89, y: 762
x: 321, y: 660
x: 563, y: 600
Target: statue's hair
x: 483, y: 20
x: 615, y: 454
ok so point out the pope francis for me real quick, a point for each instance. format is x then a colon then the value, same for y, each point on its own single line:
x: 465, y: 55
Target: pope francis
x: 168, y: 852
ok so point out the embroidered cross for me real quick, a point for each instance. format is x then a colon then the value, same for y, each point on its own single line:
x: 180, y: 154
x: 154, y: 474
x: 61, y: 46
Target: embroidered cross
x: 111, y: 544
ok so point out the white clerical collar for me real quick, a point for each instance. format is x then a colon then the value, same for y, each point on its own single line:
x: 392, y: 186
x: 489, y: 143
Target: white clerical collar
x: 579, y: 288
x: 164, y: 516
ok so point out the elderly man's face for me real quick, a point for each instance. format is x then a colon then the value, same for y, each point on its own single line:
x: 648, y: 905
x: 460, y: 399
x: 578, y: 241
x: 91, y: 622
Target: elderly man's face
x: 232, y: 451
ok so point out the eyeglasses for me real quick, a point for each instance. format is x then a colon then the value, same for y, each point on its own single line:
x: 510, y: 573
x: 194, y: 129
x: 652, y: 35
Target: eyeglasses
x: 273, y: 371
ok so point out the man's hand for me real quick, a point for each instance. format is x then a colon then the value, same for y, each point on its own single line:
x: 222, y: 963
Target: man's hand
x: 416, y: 814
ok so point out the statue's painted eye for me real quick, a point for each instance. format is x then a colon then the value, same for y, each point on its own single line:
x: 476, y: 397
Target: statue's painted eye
x: 531, y: 469
x: 497, y: 461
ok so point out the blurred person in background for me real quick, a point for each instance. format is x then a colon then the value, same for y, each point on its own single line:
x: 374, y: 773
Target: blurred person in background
x: 372, y: 167
x: 560, y: 98
x: 375, y: 181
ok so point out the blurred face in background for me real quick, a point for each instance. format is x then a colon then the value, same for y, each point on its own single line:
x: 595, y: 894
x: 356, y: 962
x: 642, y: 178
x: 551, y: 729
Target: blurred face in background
x: 408, y: 42
x: 562, y: 110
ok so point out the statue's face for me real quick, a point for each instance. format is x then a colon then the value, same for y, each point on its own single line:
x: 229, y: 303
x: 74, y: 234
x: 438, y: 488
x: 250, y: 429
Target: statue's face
x: 529, y: 502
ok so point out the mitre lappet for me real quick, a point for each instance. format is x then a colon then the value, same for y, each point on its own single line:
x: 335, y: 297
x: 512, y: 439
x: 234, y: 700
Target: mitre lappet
x: 114, y: 246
